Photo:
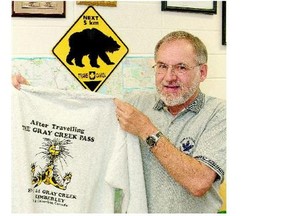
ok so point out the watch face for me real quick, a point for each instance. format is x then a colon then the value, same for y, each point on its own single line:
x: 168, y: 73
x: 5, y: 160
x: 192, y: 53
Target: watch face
x: 153, y: 139
x: 150, y: 141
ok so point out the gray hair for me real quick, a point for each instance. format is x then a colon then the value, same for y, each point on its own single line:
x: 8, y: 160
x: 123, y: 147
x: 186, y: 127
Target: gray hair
x: 199, y: 47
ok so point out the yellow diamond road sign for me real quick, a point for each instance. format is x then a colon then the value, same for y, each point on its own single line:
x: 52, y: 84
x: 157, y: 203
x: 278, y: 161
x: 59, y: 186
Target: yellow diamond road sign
x: 90, y: 50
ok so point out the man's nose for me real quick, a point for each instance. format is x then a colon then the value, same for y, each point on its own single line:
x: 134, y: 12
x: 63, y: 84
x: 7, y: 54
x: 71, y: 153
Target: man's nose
x: 171, y: 73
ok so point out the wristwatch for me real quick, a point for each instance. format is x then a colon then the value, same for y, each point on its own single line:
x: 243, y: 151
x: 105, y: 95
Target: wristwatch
x: 153, y: 139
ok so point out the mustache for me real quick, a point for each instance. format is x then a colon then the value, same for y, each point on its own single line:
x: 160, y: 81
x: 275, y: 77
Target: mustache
x: 172, y: 84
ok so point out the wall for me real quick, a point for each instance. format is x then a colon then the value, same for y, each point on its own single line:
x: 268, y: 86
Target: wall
x: 139, y: 24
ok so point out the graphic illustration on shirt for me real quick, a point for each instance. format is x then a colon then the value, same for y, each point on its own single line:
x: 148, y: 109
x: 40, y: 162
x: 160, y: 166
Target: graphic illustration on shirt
x: 187, y: 145
x: 54, y: 152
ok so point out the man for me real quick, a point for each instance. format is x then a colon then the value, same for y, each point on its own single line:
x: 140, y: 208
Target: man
x: 182, y: 131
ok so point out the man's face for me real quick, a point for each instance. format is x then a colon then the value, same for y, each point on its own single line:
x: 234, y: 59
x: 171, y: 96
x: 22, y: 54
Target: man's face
x: 176, y: 88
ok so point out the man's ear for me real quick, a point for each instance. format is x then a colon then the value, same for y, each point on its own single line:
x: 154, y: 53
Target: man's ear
x: 203, y: 71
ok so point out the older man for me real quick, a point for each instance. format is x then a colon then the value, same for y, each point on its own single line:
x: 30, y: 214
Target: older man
x: 182, y: 131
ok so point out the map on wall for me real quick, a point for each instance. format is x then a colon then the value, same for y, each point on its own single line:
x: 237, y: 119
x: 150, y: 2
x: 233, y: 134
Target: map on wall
x: 134, y: 73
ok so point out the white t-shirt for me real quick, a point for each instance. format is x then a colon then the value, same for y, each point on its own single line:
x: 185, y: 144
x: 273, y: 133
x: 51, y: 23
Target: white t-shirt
x: 69, y: 154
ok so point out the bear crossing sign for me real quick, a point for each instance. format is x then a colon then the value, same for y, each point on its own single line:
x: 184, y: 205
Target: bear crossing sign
x: 90, y: 50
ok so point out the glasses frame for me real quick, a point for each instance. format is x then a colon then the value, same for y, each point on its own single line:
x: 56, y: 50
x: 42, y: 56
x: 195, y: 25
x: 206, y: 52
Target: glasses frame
x: 173, y: 67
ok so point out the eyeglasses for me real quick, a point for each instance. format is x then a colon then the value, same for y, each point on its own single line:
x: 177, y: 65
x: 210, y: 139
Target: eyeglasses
x: 179, y: 69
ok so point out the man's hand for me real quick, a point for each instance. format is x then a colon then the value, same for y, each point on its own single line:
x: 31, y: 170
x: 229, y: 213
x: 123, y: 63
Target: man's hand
x: 18, y: 80
x: 133, y: 121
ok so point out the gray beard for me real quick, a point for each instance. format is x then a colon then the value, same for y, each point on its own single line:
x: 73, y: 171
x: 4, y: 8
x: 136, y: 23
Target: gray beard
x: 173, y: 101
x: 168, y: 101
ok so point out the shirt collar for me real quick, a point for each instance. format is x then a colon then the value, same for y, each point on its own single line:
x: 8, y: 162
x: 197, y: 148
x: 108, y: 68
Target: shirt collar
x: 194, y: 107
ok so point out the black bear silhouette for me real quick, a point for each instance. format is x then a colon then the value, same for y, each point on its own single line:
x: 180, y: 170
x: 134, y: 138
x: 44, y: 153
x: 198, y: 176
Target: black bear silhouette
x: 90, y: 42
